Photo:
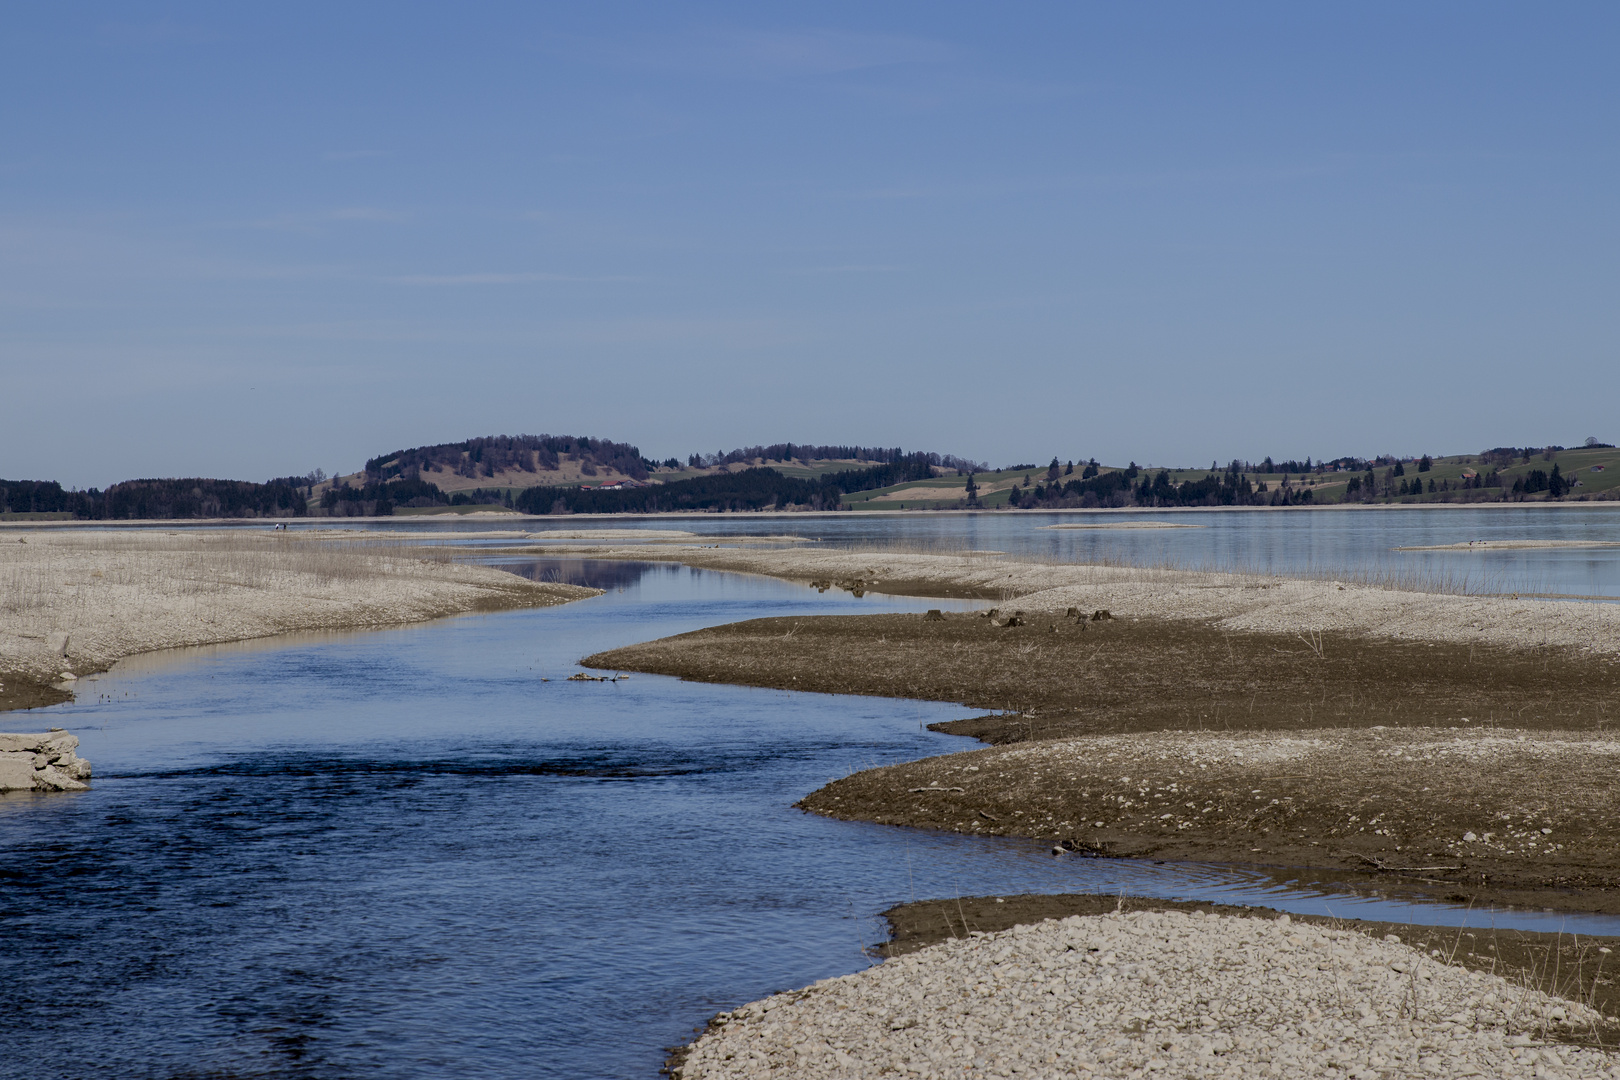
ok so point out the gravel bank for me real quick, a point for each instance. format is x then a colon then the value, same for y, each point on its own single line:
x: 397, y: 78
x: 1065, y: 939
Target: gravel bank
x: 1163, y: 994
x: 1398, y: 608
x: 76, y: 601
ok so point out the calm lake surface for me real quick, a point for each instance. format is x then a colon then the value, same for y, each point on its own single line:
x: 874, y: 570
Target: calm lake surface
x: 405, y: 854
x: 1358, y: 541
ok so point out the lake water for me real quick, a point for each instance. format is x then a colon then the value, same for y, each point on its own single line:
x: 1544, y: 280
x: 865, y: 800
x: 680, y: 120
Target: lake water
x: 407, y: 854
x: 1361, y: 540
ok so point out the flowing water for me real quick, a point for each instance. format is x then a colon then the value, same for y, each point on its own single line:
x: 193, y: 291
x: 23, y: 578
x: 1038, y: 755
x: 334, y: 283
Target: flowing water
x: 423, y: 852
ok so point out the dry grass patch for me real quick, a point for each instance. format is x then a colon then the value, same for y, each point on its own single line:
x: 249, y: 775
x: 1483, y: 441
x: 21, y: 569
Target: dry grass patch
x: 114, y: 593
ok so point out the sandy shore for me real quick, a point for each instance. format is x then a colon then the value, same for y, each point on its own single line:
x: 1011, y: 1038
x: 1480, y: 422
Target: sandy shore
x: 76, y: 601
x: 1513, y: 545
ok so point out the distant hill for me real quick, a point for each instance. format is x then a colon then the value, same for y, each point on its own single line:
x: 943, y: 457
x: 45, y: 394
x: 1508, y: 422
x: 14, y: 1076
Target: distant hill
x: 496, y: 469
x: 518, y: 461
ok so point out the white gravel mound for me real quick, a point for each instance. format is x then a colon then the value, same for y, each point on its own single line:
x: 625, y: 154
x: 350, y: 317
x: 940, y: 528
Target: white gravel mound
x: 1155, y: 995
x: 1398, y: 608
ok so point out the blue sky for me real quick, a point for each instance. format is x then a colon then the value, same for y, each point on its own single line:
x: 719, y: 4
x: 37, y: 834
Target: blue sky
x: 250, y: 240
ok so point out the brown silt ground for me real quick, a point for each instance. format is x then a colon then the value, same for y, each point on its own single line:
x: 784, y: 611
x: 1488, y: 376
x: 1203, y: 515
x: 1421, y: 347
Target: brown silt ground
x: 1474, y: 772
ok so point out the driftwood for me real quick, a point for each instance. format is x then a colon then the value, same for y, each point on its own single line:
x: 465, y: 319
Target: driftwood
x: 1380, y: 864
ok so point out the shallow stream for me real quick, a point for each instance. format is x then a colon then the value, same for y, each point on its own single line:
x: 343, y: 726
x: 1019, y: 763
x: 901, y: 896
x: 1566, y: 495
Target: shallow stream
x: 409, y: 854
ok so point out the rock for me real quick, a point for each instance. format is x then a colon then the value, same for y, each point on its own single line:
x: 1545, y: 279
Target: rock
x: 1469, y: 838
x: 68, y: 676
x: 60, y: 742
x: 41, y: 762
x: 16, y: 772
x: 51, y: 778
x: 57, y: 642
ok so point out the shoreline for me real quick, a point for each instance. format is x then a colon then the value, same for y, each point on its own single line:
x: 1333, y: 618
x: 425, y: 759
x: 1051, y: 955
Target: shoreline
x: 1435, y: 767
x: 491, y: 516
x: 74, y: 604
x: 1487, y: 695
x: 1233, y: 601
x: 885, y: 661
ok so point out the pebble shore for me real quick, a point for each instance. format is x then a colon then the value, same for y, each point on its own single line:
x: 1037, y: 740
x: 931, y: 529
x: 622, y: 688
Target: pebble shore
x: 1397, y: 608
x: 1164, y: 995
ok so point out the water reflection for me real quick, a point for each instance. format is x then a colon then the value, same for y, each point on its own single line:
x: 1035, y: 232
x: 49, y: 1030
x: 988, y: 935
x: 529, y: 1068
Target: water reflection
x: 422, y: 852
x: 607, y: 574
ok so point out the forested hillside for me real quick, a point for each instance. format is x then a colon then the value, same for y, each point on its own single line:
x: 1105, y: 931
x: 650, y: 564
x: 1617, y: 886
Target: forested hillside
x: 495, y: 454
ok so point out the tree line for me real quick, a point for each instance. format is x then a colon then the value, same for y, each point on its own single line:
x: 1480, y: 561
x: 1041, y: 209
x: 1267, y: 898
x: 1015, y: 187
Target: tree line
x: 491, y: 454
x: 806, y: 453
x: 759, y: 488
x: 1134, y: 486
x: 140, y: 499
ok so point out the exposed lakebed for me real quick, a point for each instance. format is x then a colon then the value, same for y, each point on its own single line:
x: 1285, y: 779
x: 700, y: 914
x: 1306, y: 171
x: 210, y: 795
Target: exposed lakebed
x: 404, y: 854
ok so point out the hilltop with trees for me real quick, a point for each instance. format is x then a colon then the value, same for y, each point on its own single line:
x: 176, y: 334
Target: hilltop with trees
x: 563, y: 474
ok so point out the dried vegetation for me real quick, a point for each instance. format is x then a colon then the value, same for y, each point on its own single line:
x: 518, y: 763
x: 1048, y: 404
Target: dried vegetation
x: 74, y: 601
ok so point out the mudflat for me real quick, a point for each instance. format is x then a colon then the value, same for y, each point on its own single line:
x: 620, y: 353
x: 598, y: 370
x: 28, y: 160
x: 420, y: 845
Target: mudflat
x: 1473, y: 771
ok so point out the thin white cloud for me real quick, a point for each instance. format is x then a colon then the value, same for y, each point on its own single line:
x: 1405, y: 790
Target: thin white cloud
x: 769, y: 54
x: 500, y: 279
x: 153, y: 34
x: 852, y: 268
x: 364, y: 213
x: 311, y: 221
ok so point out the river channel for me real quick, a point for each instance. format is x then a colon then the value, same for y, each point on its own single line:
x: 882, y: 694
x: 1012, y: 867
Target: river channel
x: 423, y: 852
